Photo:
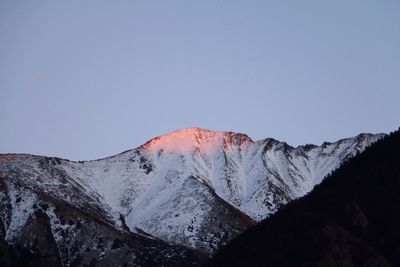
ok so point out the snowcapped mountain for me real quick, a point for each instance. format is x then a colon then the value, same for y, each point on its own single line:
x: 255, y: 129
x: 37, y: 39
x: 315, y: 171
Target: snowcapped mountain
x: 192, y: 187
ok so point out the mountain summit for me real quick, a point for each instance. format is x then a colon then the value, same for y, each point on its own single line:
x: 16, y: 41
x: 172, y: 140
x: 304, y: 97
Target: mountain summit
x: 190, y: 140
x: 192, y: 187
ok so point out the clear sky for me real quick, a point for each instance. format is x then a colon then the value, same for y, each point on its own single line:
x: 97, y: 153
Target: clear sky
x: 88, y: 79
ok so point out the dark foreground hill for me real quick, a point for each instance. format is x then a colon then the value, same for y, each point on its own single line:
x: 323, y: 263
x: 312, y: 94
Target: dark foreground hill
x: 351, y: 219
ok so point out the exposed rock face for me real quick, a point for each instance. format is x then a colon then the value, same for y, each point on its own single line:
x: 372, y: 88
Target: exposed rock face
x: 192, y: 187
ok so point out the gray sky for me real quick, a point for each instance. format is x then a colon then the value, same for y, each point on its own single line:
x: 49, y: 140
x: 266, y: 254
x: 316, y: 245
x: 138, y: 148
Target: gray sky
x: 88, y: 79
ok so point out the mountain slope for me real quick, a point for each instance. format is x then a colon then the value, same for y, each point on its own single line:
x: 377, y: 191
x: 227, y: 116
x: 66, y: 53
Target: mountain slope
x: 52, y: 221
x: 351, y: 219
x: 191, y: 187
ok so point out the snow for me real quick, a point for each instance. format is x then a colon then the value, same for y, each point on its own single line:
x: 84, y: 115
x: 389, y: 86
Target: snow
x: 21, y: 203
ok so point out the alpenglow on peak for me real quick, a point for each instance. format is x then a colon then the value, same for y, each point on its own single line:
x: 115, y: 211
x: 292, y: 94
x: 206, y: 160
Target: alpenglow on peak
x: 195, y: 139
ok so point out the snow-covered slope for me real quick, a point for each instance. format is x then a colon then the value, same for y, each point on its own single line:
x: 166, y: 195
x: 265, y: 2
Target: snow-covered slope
x: 191, y: 187
x: 58, y: 222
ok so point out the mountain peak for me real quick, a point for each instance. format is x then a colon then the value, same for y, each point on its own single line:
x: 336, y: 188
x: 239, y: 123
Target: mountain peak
x: 190, y: 131
x: 195, y: 139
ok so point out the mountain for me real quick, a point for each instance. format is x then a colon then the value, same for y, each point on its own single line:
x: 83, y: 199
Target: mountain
x: 350, y: 219
x: 192, y: 188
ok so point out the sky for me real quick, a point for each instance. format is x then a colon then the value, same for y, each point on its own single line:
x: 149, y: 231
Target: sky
x: 88, y: 79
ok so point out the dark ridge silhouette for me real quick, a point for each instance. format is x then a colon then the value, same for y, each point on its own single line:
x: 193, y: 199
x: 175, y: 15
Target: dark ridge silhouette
x: 351, y: 219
